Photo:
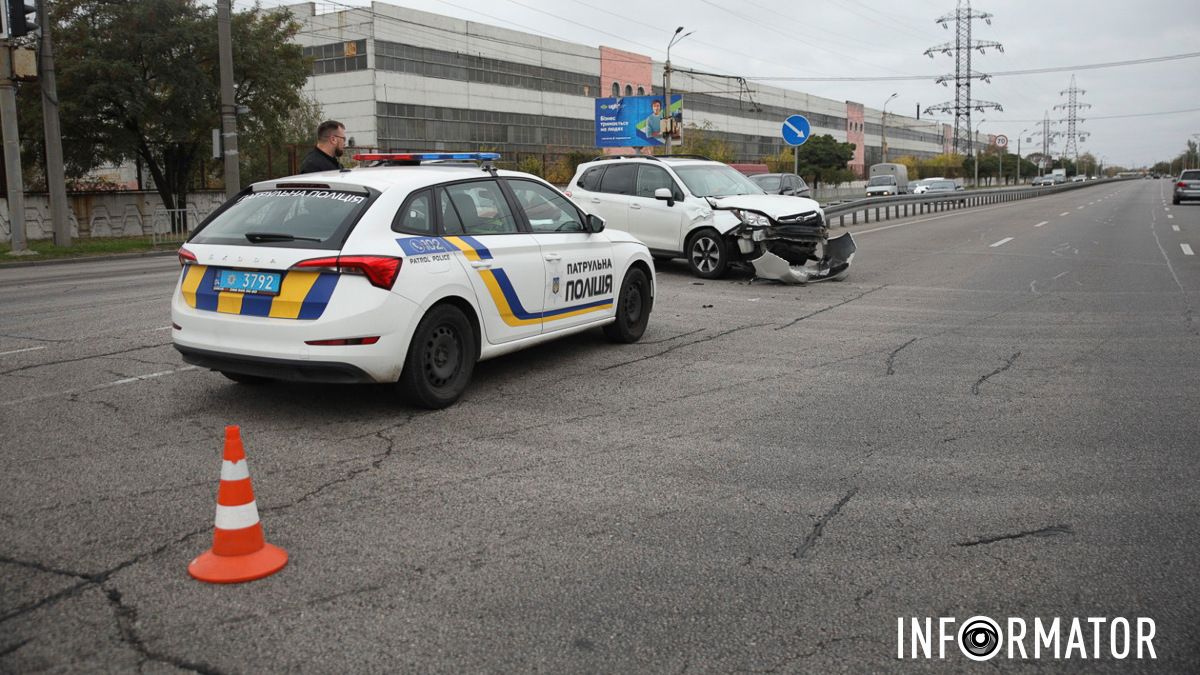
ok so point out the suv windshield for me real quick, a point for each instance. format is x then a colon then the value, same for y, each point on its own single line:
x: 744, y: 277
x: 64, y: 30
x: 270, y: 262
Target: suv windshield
x: 293, y: 218
x: 882, y: 180
x: 716, y: 180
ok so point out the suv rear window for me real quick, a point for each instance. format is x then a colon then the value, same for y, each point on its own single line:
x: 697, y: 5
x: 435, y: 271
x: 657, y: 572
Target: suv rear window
x: 288, y: 218
x: 1190, y: 175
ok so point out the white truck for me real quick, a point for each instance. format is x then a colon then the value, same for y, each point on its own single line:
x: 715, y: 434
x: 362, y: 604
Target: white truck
x: 887, y: 179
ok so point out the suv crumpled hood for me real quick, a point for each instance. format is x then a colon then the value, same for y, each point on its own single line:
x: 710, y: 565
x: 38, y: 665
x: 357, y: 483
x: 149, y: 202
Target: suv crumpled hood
x: 773, y: 206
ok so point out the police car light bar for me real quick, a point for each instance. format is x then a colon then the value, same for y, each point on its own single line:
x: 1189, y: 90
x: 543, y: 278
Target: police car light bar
x: 424, y: 156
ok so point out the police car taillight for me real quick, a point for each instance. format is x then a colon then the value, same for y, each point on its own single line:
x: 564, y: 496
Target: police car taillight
x: 380, y: 270
x: 186, y: 256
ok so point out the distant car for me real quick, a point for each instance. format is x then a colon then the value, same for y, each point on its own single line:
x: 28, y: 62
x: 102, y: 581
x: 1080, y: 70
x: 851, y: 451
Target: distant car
x: 782, y: 184
x: 1078, y: 179
x: 1187, y: 187
x: 1058, y: 178
x: 1043, y: 180
x: 944, y: 185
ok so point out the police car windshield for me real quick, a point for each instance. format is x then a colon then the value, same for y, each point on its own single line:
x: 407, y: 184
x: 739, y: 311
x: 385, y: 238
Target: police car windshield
x: 716, y: 180
x: 298, y: 218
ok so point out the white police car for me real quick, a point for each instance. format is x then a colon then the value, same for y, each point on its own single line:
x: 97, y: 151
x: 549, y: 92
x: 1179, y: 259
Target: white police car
x: 405, y: 273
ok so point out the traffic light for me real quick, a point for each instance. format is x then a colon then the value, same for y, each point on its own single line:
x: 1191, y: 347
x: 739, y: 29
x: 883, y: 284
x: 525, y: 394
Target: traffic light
x: 22, y: 18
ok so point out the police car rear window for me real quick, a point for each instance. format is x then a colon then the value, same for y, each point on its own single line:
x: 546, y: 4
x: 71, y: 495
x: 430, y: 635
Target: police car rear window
x: 289, y: 218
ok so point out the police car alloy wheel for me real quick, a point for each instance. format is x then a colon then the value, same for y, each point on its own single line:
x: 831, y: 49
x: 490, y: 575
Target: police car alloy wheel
x: 708, y: 254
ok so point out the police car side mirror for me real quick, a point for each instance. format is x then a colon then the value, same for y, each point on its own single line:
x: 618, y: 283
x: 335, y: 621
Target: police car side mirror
x: 665, y: 195
x: 595, y: 223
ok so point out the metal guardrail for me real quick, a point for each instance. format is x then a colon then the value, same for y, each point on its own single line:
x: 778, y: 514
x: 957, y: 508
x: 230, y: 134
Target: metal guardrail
x: 904, y: 206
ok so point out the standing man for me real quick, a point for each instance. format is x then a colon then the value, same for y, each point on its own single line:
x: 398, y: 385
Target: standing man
x: 331, y: 139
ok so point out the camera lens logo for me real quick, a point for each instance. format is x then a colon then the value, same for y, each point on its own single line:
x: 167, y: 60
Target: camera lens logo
x: 979, y: 638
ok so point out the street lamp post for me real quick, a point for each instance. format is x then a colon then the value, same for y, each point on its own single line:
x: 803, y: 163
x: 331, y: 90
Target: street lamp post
x: 883, y: 126
x: 1023, y: 132
x: 975, y: 140
x: 667, y: 85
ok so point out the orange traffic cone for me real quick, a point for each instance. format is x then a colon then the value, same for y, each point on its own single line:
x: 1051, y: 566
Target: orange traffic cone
x: 239, y: 552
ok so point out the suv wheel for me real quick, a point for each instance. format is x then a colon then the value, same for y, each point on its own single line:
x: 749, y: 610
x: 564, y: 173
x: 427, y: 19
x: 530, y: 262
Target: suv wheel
x: 707, y: 254
x: 440, y: 359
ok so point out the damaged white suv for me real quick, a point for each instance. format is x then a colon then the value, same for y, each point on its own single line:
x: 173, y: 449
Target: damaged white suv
x: 710, y: 214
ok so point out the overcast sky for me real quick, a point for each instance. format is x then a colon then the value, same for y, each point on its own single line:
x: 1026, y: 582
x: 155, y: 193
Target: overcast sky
x: 874, y: 38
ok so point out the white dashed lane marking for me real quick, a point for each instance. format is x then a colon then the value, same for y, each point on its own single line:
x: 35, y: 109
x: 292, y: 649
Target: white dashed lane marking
x: 1044, y: 222
x: 1078, y: 207
x: 1175, y: 228
x: 1001, y: 242
x: 1187, y: 250
x: 1169, y: 216
x: 1065, y: 213
x: 19, y: 351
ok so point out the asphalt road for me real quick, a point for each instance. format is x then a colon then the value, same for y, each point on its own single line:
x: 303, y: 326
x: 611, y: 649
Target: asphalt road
x: 996, y: 415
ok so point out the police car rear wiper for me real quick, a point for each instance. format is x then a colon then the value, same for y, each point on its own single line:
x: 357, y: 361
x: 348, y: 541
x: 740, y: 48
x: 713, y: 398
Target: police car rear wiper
x: 259, y: 237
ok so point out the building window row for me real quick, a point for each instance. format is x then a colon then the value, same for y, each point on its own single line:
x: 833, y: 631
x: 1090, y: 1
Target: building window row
x: 616, y: 90
x: 437, y: 63
x: 338, y: 57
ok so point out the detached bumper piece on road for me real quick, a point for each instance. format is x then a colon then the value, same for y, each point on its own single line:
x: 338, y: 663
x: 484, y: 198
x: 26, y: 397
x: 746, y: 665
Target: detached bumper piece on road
x: 839, y: 253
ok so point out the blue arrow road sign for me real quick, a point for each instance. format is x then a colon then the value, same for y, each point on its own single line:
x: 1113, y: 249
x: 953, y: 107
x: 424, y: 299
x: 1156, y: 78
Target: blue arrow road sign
x: 796, y: 130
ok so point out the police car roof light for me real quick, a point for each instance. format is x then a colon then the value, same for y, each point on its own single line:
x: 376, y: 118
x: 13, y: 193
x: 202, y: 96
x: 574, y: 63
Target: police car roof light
x: 424, y: 156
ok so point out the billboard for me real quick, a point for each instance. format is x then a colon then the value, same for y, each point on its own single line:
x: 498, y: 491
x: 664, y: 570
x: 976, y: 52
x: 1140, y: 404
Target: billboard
x: 637, y: 121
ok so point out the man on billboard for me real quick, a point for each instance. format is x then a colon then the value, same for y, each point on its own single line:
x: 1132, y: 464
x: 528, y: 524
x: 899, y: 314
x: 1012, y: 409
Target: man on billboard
x: 654, y: 121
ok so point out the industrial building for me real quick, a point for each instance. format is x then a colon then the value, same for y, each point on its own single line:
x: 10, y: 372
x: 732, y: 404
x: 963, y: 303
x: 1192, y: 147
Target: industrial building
x: 402, y: 79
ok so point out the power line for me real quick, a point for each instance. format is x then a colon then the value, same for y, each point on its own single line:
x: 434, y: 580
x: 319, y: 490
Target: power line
x: 1000, y: 73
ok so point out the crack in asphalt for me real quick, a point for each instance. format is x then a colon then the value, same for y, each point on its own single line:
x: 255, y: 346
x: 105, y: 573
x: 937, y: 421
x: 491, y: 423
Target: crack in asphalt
x: 1051, y: 531
x: 811, y: 539
x: 41, y: 567
x: 87, y: 580
x: 891, y: 360
x: 826, y: 309
x: 127, y: 619
x: 5, y: 651
x: 685, y: 344
x: 675, y: 337
x: 82, y: 358
x: 1008, y: 363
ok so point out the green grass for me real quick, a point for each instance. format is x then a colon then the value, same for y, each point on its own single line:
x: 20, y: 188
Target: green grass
x: 84, y: 248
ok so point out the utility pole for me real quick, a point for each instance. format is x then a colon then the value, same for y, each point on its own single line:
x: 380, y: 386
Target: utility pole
x: 1072, y: 106
x: 961, y: 49
x: 12, y: 152
x: 60, y: 214
x: 233, y: 180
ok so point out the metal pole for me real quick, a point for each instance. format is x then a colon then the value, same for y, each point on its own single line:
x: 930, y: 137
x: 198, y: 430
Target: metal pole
x: 883, y: 127
x: 667, y: 98
x: 233, y: 181
x: 12, y: 152
x: 60, y: 214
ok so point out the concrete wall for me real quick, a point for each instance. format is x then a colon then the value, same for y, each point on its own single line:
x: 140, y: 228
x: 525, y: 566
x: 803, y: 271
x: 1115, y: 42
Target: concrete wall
x: 108, y: 214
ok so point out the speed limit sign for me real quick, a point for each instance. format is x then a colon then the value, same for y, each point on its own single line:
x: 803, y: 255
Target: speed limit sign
x: 1002, y: 141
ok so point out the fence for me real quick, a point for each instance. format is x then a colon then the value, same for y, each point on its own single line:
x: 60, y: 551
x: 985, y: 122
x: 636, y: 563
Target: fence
x: 903, y: 206
x: 115, y: 214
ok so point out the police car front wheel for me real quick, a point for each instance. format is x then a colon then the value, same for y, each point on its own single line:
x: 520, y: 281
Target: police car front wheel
x: 441, y: 358
x: 633, y: 308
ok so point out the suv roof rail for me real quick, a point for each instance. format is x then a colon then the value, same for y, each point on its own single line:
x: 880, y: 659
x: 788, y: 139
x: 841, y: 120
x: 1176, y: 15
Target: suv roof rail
x: 603, y: 157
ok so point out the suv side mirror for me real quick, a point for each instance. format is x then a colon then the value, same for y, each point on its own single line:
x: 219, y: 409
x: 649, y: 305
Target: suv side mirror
x: 595, y: 223
x: 665, y: 195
